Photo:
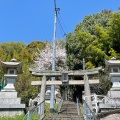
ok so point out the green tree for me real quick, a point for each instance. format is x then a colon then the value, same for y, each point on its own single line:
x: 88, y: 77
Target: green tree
x: 8, y: 50
x: 34, y: 46
x: 90, y: 40
x: 89, y: 23
x: 76, y: 44
x: 114, y: 31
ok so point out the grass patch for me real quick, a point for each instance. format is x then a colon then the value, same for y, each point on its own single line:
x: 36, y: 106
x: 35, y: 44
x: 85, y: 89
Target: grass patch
x: 47, y: 108
x: 20, y: 117
x: 17, y: 117
x: 82, y: 112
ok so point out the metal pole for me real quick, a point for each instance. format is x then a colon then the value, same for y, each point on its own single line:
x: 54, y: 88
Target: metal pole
x: 29, y: 116
x: 53, y: 61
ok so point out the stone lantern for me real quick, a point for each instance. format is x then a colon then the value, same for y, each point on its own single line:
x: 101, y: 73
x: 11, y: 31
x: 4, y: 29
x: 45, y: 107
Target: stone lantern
x: 112, y: 99
x: 11, y: 69
x: 113, y: 67
x: 10, y: 103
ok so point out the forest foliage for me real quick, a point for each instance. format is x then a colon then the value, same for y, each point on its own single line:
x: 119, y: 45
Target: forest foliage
x: 96, y: 38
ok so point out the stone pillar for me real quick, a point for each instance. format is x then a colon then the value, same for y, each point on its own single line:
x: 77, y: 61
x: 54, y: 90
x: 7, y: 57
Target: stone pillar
x: 42, y: 95
x: 65, y: 81
x: 87, y: 90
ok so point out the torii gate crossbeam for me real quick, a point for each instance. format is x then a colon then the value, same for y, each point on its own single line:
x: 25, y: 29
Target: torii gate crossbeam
x: 71, y: 82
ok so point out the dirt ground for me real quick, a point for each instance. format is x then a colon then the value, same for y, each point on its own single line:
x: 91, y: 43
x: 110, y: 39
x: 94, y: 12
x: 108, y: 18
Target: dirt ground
x: 112, y: 117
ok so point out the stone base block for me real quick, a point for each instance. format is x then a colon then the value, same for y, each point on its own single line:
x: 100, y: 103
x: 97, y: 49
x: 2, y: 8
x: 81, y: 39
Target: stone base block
x: 109, y: 106
x: 115, y: 89
x: 113, y: 94
x: 10, y: 100
x: 10, y: 112
x: 12, y: 106
x: 8, y: 90
x: 8, y: 94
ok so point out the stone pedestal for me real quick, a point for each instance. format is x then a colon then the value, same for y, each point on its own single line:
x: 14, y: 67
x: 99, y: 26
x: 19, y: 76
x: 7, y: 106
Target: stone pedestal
x: 113, y: 94
x: 10, y: 104
x: 111, y: 101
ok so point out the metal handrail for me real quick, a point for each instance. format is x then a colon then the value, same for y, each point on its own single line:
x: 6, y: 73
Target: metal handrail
x: 30, y: 109
x: 2, y: 83
x: 59, y: 105
x: 55, y: 114
x: 78, y: 106
x: 95, y: 100
x: 88, y: 112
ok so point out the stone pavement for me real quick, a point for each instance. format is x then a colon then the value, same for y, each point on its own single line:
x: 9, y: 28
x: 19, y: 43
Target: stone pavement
x: 112, y: 117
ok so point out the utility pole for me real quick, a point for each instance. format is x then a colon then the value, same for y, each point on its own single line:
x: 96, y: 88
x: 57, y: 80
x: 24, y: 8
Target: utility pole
x: 52, y: 97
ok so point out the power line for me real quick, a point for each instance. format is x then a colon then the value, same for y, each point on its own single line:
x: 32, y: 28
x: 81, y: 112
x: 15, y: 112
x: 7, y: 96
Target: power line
x: 61, y: 28
x: 63, y: 23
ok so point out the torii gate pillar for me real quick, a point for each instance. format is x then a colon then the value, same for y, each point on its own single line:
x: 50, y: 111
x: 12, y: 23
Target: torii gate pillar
x: 42, y: 94
x: 87, y: 90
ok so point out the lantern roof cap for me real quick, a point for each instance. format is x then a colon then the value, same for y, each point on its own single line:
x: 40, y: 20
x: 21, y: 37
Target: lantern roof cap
x: 13, y: 60
x: 111, y: 63
x: 13, y: 64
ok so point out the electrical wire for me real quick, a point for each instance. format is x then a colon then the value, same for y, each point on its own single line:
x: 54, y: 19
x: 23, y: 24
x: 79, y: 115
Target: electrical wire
x: 63, y: 23
x: 61, y: 27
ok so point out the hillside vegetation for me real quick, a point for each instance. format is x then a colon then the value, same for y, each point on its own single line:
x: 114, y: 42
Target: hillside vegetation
x: 96, y: 39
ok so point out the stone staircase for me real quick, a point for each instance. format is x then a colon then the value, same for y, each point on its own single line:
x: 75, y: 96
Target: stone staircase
x: 68, y: 111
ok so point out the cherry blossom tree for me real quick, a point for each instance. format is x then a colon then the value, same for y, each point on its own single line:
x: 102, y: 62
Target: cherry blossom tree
x: 43, y: 59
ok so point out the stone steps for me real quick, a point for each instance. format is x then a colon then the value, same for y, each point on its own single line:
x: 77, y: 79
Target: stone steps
x: 69, y: 108
x: 68, y: 111
x: 63, y: 117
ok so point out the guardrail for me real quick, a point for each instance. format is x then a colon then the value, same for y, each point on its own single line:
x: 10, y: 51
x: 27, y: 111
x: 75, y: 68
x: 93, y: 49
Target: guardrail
x: 59, y: 106
x: 88, y: 113
x: 95, y: 100
x: 78, y: 106
x: 34, y: 110
x: 57, y: 110
x: 92, y: 111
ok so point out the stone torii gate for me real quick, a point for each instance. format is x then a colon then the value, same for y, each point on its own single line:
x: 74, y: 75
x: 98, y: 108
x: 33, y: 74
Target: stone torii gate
x: 64, y: 79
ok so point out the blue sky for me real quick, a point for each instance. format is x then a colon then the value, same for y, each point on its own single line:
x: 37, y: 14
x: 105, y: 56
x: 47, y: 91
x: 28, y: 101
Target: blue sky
x: 29, y: 20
